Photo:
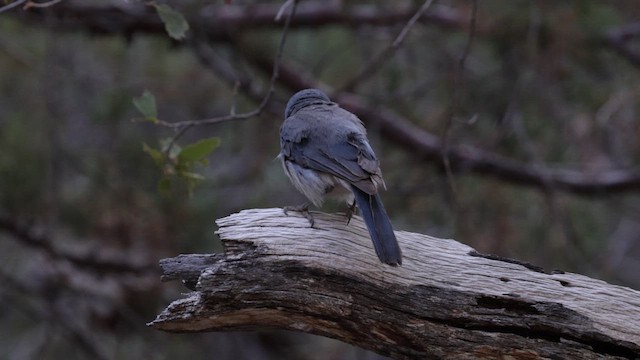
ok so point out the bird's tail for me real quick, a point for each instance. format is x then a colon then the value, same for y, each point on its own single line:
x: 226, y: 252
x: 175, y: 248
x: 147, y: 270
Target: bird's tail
x: 380, y: 229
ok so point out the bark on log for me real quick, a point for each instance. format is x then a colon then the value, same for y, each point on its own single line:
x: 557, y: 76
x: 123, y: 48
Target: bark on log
x: 445, y: 301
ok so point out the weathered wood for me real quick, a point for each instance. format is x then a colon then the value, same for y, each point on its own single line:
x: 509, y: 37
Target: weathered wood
x: 187, y: 267
x: 445, y: 301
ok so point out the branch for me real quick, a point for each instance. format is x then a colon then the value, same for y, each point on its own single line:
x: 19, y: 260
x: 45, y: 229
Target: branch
x: 12, y: 5
x: 32, y: 4
x: 218, y: 21
x: 102, y: 261
x: 226, y: 72
x: 445, y: 301
x: 429, y: 147
x: 183, y: 126
x: 472, y: 159
x: 374, y: 64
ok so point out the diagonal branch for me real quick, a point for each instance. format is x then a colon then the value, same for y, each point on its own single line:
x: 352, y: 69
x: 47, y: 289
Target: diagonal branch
x: 275, y: 73
x: 372, y: 66
x: 472, y: 159
x: 98, y: 261
x: 12, y: 5
x: 465, y: 158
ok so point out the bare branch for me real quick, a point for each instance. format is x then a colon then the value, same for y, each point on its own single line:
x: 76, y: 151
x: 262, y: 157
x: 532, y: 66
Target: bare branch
x: 372, y: 66
x: 472, y: 159
x: 464, y: 158
x: 457, y: 83
x: 217, y: 21
x: 225, y: 71
x: 12, y: 5
x: 274, y: 76
x: 283, y: 8
x: 32, y: 4
x: 100, y: 261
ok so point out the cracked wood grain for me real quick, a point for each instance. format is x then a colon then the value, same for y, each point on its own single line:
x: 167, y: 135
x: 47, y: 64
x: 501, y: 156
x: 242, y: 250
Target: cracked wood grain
x: 445, y: 301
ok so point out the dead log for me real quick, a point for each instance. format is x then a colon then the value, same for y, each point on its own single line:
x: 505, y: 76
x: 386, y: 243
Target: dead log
x: 445, y: 301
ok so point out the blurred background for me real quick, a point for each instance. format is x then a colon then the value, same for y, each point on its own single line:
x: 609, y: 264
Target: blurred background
x: 528, y: 111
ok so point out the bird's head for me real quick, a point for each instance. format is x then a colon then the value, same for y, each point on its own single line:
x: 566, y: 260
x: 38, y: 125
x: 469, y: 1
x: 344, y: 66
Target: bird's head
x: 304, y: 98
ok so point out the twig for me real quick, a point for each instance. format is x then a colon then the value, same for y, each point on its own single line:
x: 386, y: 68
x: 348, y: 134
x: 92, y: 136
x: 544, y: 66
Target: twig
x: 181, y: 131
x: 31, y: 4
x: 12, y: 5
x: 265, y: 100
x: 372, y: 66
x: 225, y: 71
x: 282, y: 9
x: 183, y: 126
x: 459, y: 73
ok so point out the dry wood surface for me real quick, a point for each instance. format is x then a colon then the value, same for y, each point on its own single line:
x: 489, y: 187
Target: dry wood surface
x: 445, y: 301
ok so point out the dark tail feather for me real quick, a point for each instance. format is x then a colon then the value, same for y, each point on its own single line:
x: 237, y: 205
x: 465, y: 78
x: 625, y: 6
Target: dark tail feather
x: 380, y: 229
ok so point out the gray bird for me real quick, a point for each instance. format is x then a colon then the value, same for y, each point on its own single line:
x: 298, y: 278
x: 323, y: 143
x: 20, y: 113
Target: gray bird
x: 324, y: 149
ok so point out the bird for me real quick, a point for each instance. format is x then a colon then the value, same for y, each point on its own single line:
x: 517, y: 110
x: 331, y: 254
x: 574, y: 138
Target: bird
x: 324, y: 150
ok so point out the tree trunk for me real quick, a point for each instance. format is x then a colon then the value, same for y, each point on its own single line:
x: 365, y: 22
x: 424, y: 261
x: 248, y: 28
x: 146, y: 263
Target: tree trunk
x: 445, y: 301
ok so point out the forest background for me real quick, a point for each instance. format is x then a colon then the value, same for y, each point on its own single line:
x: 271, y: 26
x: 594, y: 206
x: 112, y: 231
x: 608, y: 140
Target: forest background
x: 511, y: 126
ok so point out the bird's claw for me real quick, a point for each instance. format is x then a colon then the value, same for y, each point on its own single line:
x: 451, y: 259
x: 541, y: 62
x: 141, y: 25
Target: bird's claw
x: 351, y: 209
x: 303, y: 208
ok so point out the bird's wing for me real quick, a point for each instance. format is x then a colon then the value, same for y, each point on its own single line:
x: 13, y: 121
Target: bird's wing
x: 346, y: 155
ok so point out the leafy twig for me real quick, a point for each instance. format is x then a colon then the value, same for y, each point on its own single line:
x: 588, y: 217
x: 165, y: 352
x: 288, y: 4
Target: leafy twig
x: 265, y: 100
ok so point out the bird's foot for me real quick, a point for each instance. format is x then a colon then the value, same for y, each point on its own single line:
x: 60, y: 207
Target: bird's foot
x: 350, y: 211
x: 302, y: 208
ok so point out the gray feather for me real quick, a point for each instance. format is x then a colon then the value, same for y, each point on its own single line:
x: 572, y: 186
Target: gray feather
x: 324, y: 147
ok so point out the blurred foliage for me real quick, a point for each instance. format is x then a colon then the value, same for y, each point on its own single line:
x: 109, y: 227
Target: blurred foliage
x: 539, y: 86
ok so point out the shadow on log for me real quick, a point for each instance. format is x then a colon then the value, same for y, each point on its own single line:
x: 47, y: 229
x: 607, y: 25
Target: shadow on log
x: 445, y: 301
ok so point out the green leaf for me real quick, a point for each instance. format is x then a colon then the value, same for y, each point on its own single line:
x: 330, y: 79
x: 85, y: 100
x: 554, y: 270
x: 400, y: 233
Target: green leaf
x: 146, y: 104
x: 174, y: 22
x: 155, y: 154
x: 198, y: 150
